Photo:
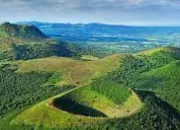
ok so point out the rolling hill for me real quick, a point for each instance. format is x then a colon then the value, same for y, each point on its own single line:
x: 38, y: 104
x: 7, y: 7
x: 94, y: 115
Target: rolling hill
x: 99, y: 30
x: 126, y: 92
x: 75, y: 72
x: 21, y: 31
x: 28, y: 42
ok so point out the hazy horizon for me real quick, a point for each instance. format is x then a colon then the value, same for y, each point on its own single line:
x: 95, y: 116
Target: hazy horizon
x: 160, y: 25
x: 110, y: 24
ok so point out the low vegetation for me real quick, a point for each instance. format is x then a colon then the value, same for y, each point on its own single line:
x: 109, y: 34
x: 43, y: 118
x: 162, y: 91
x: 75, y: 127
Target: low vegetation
x: 22, y: 90
x: 75, y: 72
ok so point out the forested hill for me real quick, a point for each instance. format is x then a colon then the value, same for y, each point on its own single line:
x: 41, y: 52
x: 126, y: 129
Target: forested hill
x: 21, y: 31
x: 28, y: 42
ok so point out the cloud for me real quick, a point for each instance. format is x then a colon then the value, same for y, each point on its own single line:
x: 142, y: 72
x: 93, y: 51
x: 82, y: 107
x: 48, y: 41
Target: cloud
x: 92, y: 3
x: 109, y: 11
x: 83, y: 4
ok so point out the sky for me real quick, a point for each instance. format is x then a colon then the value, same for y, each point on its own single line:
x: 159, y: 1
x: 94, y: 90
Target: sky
x: 122, y: 12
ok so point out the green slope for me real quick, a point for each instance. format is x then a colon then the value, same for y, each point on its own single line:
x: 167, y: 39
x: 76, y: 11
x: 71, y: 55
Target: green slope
x: 155, y: 70
x: 165, y: 81
x: 28, y: 42
x: 75, y: 72
x: 21, y: 31
x: 133, y: 65
x: 82, y: 105
x: 13, y: 49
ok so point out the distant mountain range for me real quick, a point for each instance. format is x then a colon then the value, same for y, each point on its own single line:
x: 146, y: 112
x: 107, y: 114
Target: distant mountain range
x: 99, y: 30
x: 102, y: 39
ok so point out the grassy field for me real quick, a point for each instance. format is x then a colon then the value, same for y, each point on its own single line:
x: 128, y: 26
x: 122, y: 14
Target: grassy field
x: 153, y: 51
x: 74, y: 72
x: 89, y: 57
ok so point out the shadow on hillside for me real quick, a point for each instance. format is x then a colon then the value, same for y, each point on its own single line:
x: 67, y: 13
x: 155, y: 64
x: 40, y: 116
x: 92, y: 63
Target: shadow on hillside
x: 151, y: 97
x: 67, y: 104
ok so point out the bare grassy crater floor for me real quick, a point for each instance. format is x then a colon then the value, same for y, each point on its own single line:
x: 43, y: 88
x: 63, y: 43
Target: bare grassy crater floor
x: 87, y: 102
x: 67, y: 104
